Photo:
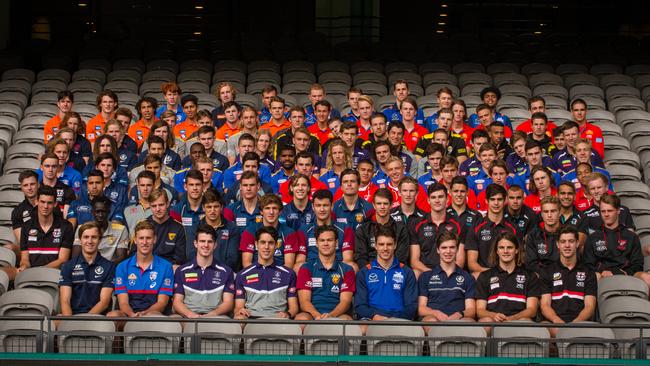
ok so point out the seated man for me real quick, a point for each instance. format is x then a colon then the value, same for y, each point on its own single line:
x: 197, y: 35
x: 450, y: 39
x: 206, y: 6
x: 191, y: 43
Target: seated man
x: 614, y: 249
x: 114, y: 238
x: 170, y: 235
x: 143, y: 282
x: 446, y: 291
x: 385, y: 288
x: 203, y: 287
x: 265, y: 289
x: 506, y: 291
x: 325, y: 285
x: 86, y: 282
x: 541, y: 247
x: 22, y: 213
x: 568, y: 286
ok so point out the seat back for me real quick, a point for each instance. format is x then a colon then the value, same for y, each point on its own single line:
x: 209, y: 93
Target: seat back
x: 26, y: 301
x: 266, y: 339
x: 81, y: 336
x: 42, y: 278
x: 457, y: 341
x: 21, y: 336
x: 584, y: 342
x: 522, y: 341
x: 397, y: 340
x: 324, y: 338
x: 152, y: 337
x: 215, y: 338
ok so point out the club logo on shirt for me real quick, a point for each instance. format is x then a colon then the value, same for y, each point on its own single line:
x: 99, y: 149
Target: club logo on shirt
x: 252, y: 278
x: 460, y: 279
x: 191, y: 277
x: 520, y: 278
x: 336, y: 278
x: 359, y: 217
x: 557, y: 276
x: 581, y: 276
x: 621, y: 244
x: 153, y: 275
x: 600, y: 245
x: 99, y: 271
x: 167, y: 282
x: 373, y: 277
x: 56, y: 233
x: 171, y: 236
x: 398, y: 277
x: 541, y: 248
x: 316, y: 282
x: 132, y: 278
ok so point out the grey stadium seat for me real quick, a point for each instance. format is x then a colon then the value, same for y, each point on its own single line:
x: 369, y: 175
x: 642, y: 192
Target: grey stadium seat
x: 472, y: 90
x: 517, y: 115
x: 215, y: 338
x: 16, y: 98
x: 85, y: 86
x: 623, y: 172
x: 501, y: 80
x: 341, y: 89
x: 471, y: 102
x: 627, y: 117
x: 96, y: 64
x: 457, y: 341
x: 580, y: 79
x: 414, y: 80
x: 8, y: 124
x: 433, y: 89
x: 370, y: 77
x: 332, y: 66
x: 384, y: 102
x: 400, y: 66
x: 208, y: 100
x: 581, y: 91
x: 333, y: 77
x: 609, y: 128
x: 124, y: 75
x: 555, y: 103
x: 161, y: 76
x: 41, y: 278
x: 467, y: 67
x: 41, y: 110
x: 263, y: 65
x: 19, y: 86
x: 624, y: 309
x: 256, y: 88
x: 4, y: 278
x: 366, y: 66
x: 28, y: 135
x: 122, y: 86
x: 595, y: 104
x: 502, y: 68
x: 398, y: 340
x: 229, y: 76
x: 194, y: 87
x: 5, y: 216
x: 622, y: 157
x: 521, y: 91
x: 607, y: 81
x: 619, y: 91
x: 166, y: 65
x: 429, y: 67
x: 569, y: 69
x: 296, y: 88
x: 605, y: 69
x: 474, y: 78
x: 298, y: 66
x: 637, y: 206
x: 88, y: 98
x: 620, y: 285
x: 289, y: 100
x: 45, y: 98
x: 196, y: 65
x: 318, y: 342
x: 248, y: 100
x: 86, y: 336
x: 194, y: 75
x: 129, y: 64
x: 87, y: 111
x: 544, y: 79
x: 521, y: 341
x: 373, y: 89
x: 29, y: 150
x: 545, y: 91
x: 637, y: 69
x: 26, y: 301
x: 12, y: 198
x: 11, y: 110
x: 427, y: 101
x: 535, y: 68
x: 48, y: 86
x: 152, y: 336
x: 230, y: 65
x: 438, y: 78
x: 299, y: 76
x: 267, y: 339
x: 584, y: 342
x: 54, y: 74
x: 97, y: 76
x: 512, y: 102
x: 19, y: 74
x: 628, y: 341
x: 21, y: 336
x: 626, y: 103
x: 7, y: 256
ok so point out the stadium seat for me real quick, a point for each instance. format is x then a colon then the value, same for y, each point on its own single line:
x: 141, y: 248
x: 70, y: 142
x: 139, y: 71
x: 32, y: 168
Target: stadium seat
x: 340, y: 89
x: 502, y: 68
x: 19, y: 74
x: 433, y: 89
x: 583, y: 90
x: 467, y: 67
x: 298, y: 76
x: 19, y: 86
x: 7, y: 238
x: 521, y: 341
x: 41, y: 278
x: 122, y: 86
x: 85, y: 86
x: 574, y: 80
x: 296, y: 88
x: 230, y: 65
x: 366, y: 66
x: 42, y: 110
x: 318, y: 343
x: 86, y: 335
x: 96, y: 76
x: 45, y: 98
x: 334, y: 77
x: 472, y: 90
x: 53, y: 74
x: 501, y: 80
x: 28, y: 135
x: 268, y: 77
x: 536, y: 68
x: 611, y: 80
x: 438, y: 78
x: 5, y: 216
x: 159, y: 76
x: 21, y: 336
x: 637, y: 206
x: 414, y: 80
x: 256, y: 88
x: 628, y: 339
x: 621, y: 286
x: 151, y: 336
x: 431, y: 67
x: 544, y: 79
x: 269, y: 339
x: 263, y: 65
x: 373, y: 89
x: 624, y: 309
x: 11, y: 198
x: 326, y: 66
x: 26, y: 301
x: 196, y: 65
x: 400, y: 66
x: 48, y: 86
x: 96, y: 64
x: 555, y: 103
x: 619, y: 91
x: 512, y: 102
x: 474, y: 78
x: 215, y: 338
x: 25, y: 150
x: 162, y: 65
x: 298, y: 66
x: 88, y: 111
x: 394, y: 340
x: 89, y: 98
x: 622, y: 157
x: 209, y: 101
x: 229, y: 76
x: 8, y: 124
x: 605, y: 69
x: 124, y: 75
x: 471, y: 102
x: 626, y: 103
x: 584, y: 342
x: 15, y: 98
x: 609, y: 128
x: 546, y: 91
x: 627, y: 117
x: 622, y: 172
x: 129, y: 64
x: 248, y: 100
x: 516, y: 115
x: 11, y: 110
x: 4, y: 278
x: 514, y: 90
x: 457, y: 341
x: 570, y: 69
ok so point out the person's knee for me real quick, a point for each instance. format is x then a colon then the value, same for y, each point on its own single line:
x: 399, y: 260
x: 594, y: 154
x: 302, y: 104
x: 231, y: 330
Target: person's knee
x: 429, y: 318
x: 303, y: 316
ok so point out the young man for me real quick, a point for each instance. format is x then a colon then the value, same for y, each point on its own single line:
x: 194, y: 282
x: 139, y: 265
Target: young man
x: 394, y: 112
x: 412, y: 129
x: 206, y: 138
x: 569, y: 214
x: 184, y: 129
x: 204, y: 287
x: 353, y: 100
x: 460, y: 209
x: 66, y: 174
x: 490, y: 97
x: 249, y: 162
x: 568, y: 285
x: 304, y: 165
x: 471, y: 166
x: 506, y: 291
x: 264, y: 288
x: 455, y: 146
x: 106, y: 104
x: 80, y: 210
x: 188, y: 211
x: 445, y: 98
x: 407, y: 210
x: 423, y: 233
x: 325, y: 285
x: 300, y: 210
x: 364, y: 243
x: 170, y: 235
x: 226, y: 93
x: 479, y: 180
x: 157, y: 146
x: 64, y: 102
x: 586, y: 129
x: 614, y: 249
x: 227, y: 234
x: 379, y: 128
x: 139, y: 131
x: 171, y: 93
x: 278, y: 121
x: 114, y: 238
x: 287, y: 160
x: 366, y: 111
x: 486, y: 120
x: 541, y: 242
x: 287, y: 243
x: 396, y: 133
x: 539, y: 128
x: 350, y: 209
x: 565, y: 160
x: 320, y: 126
x: 536, y: 104
x: 64, y: 194
x: 245, y: 211
x: 480, y: 238
x: 498, y: 174
x: 230, y: 125
x: 86, y: 282
x: 22, y: 213
x: 447, y: 291
x: 385, y: 288
x: 432, y: 167
x: 144, y: 282
x: 286, y: 137
x: 350, y: 135
x: 245, y: 146
x: 317, y: 94
x: 139, y: 209
x: 268, y: 92
x: 520, y: 216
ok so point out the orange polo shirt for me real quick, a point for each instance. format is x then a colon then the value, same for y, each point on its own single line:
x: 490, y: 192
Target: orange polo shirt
x: 95, y: 127
x: 225, y: 132
x: 273, y: 128
x: 139, y: 132
x: 51, y: 128
x: 185, y: 129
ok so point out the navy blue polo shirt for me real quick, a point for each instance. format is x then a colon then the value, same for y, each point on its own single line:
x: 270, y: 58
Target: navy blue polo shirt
x: 183, y: 213
x: 203, y: 288
x: 86, y: 280
x: 144, y: 285
x: 326, y: 285
x: 352, y: 217
x: 170, y: 240
x: 446, y: 293
x: 236, y: 212
x: 295, y: 218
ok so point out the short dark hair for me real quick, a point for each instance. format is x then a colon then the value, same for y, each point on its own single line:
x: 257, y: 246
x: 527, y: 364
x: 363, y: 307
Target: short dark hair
x: 460, y: 179
x: 435, y: 187
x: 44, y: 190
x: 146, y: 174
x: 101, y: 199
x: 322, y: 194
x: 383, y: 193
x: 104, y: 156
x: 249, y: 175
x: 211, y: 196
x: 323, y: 103
x: 95, y: 173
x: 387, y: 231
x: 150, y: 100
x: 64, y: 94
x: 26, y: 174
x: 493, y: 189
x: 568, y: 229
x: 325, y: 228
x: 444, y: 236
x: 250, y: 156
x: 189, y: 98
x: 539, y: 115
x: 351, y: 171
x: 491, y: 89
x: 194, y: 174
x: 266, y: 230
x: 205, y: 229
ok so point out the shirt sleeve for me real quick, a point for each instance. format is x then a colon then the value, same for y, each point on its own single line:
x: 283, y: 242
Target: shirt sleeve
x: 240, y: 292
x: 470, y: 240
x: 291, y: 291
x: 230, y: 283
x: 68, y: 235
x: 178, y: 282
x: 349, y: 281
x: 123, y: 240
x: 533, y: 288
x: 470, y: 291
x: 348, y: 239
x: 304, y: 278
x: 65, y: 279
x: 72, y: 211
x: 109, y: 281
x: 482, y: 290
x: 591, y: 284
x: 247, y: 243
x: 423, y: 283
x: 120, y: 278
x: 168, y: 281
x: 291, y: 244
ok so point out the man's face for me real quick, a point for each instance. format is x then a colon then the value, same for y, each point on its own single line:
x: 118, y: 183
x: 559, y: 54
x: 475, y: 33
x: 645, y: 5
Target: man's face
x: 297, y: 119
x: 438, y: 201
x: 107, y: 104
x: 395, y: 171
x: 232, y: 114
x: 100, y: 213
x: 95, y: 186
x: 300, y: 189
x: 204, y: 121
x: 497, y: 134
x: 316, y: 95
x: 515, y: 199
x: 125, y: 121
x: 506, y: 251
x: 609, y: 214
x: 287, y: 159
x: 106, y: 167
x: 490, y: 99
x: 322, y: 209
x: 382, y: 154
x: 459, y: 195
x: 162, y: 132
x: 566, y: 195
x: 583, y: 152
x: 196, y: 151
x: 447, y: 251
x: 459, y: 112
x: 69, y: 138
x: 496, y: 203
x: 154, y: 167
x: 146, y: 110
x: 349, y: 136
x: 277, y: 111
x: 568, y: 245
x: 408, y: 111
x: 171, y: 97
x: 365, y: 110
x: 582, y: 171
x: 349, y: 185
x: 249, y: 120
x: 265, y: 247
x: 305, y: 166
x: 301, y: 141
x: 597, y: 188
x: 190, y: 110
x: 539, y: 127
x: 49, y: 168
x: 477, y: 143
x: 444, y: 100
x: 159, y: 208
x: 270, y: 213
x: 542, y: 181
x: 225, y: 94
x: 366, y: 172
x: 249, y: 188
x: 537, y: 106
x: 570, y: 136
x: 322, y: 114
x: 266, y: 98
x: 385, y: 247
x: 157, y: 150
x: 378, y: 126
x: 382, y: 206
x: 326, y: 243
x: 449, y: 171
x: 408, y: 192
x: 485, y: 117
x: 145, y: 186
x: 207, y: 140
x: 487, y: 157
x: 250, y: 165
x: 434, y: 160
x: 335, y: 126
x: 29, y: 187
x: 338, y: 155
x: 61, y: 151
x: 560, y: 143
x: 401, y: 91
x: 212, y: 210
x: 194, y: 188
x: 46, y: 205
x: 353, y: 99
x: 395, y: 136
x: 105, y: 146
x: 534, y: 156
x: 145, y: 241
x: 550, y: 214
x: 64, y: 105
x: 579, y: 112
x: 90, y: 241
x: 444, y: 120
x: 205, y: 245
x: 246, y: 146
x: 520, y: 147
x: 499, y: 176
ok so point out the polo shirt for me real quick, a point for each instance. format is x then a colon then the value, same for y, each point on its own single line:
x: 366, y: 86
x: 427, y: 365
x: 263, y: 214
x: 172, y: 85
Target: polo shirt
x: 568, y: 288
x: 143, y: 285
x: 285, y: 138
x: 275, y: 128
x: 331, y: 180
x: 233, y: 193
x: 287, y: 241
x: 564, y: 162
x: 424, y: 233
x: 218, y: 117
x: 399, y: 216
x: 114, y: 237
x: 135, y: 213
x: 527, y: 127
x: 87, y: 281
x: 506, y: 293
x: 288, y: 197
x: 392, y: 113
x: 572, y: 176
x: 70, y: 179
x: 412, y: 137
x: 574, y: 219
x: 179, y: 180
x: 21, y: 214
x: 310, y: 116
x: 322, y: 135
x: 121, y: 175
x: 139, y: 132
x: 264, y: 115
x: 170, y: 159
x: 228, y: 238
x: 466, y: 219
x: 278, y: 178
x: 595, y: 134
x: 523, y: 221
x: 43, y: 247
x: 218, y: 161
x: 326, y: 284
x: 236, y: 212
x: 470, y: 166
x: 183, y: 213
x: 353, y: 217
x: 185, y: 129
x: 171, y: 193
x: 480, y: 238
x: 446, y: 293
x: 95, y: 127
x: 615, y: 250
x: 81, y: 148
x: 456, y: 145
x: 180, y: 114
x: 127, y: 160
x: 203, y: 288
x: 170, y: 240
x: 307, y: 240
x: 541, y: 249
x: 295, y: 218
x: 225, y: 132
x: 266, y: 289
x: 534, y: 200
x: 474, y: 122
x: 232, y: 174
x: 51, y: 127
x: 592, y: 222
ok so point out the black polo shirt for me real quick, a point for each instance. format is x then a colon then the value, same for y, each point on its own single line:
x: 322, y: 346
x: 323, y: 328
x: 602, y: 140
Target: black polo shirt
x: 591, y: 221
x: 481, y: 237
x: 456, y: 146
x: 399, y: 216
x: 574, y: 219
x: 87, y: 281
x: 43, y: 247
x: 467, y: 220
x: 21, y: 214
x: 506, y: 293
x: 64, y: 194
x: 523, y: 221
x: 424, y: 234
x: 568, y: 288
x: 541, y: 249
x: 618, y: 251
x: 170, y: 240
